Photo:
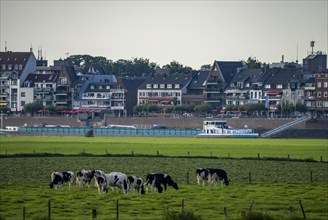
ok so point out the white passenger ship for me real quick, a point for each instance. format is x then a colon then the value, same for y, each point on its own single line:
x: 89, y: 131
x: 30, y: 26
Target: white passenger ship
x: 220, y: 129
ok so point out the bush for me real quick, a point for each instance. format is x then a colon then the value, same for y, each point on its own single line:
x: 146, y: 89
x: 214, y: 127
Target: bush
x: 185, y: 215
x: 90, y: 133
x: 256, y: 216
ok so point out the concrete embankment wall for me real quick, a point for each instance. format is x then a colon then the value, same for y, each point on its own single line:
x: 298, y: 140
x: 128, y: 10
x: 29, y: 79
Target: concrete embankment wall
x: 147, y: 122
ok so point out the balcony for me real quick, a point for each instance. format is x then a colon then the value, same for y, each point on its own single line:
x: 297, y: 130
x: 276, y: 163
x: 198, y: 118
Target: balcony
x: 47, y: 89
x: 117, y: 107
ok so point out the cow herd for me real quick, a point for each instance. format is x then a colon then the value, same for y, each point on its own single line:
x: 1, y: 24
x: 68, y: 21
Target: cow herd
x: 121, y: 181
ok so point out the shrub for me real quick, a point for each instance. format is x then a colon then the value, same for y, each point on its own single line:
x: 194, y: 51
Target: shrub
x: 90, y: 133
x: 256, y: 216
x: 185, y: 215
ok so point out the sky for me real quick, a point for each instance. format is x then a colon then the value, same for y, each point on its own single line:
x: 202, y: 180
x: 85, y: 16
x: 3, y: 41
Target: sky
x: 192, y: 33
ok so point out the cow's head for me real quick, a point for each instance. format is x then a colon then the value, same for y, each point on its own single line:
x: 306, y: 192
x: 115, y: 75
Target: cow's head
x: 170, y: 182
x: 51, y: 185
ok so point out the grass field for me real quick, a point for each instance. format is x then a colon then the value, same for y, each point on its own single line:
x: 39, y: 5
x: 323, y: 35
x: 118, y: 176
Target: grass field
x: 276, y: 185
x: 315, y: 149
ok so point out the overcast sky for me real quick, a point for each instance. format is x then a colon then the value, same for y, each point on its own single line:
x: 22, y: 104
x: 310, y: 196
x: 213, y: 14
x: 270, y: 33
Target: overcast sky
x: 190, y: 32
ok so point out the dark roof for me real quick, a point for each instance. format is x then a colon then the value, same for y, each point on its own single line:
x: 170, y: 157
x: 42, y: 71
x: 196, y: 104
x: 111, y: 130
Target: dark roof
x: 229, y: 68
x: 14, y: 57
x: 198, y: 80
x: 283, y: 76
x: 133, y: 83
x: 247, y: 75
x: 181, y: 79
x: 36, y: 78
x: 71, y: 73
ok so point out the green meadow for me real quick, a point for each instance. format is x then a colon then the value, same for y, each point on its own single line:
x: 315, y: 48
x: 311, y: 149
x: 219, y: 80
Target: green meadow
x: 275, y: 186
x: 315, y: 149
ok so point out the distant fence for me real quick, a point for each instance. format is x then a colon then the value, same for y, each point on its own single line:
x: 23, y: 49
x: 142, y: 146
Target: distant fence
x: 112, y: 131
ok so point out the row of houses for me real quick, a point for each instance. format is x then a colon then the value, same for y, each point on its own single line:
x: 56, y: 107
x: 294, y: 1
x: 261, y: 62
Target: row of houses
x: 25, y: 79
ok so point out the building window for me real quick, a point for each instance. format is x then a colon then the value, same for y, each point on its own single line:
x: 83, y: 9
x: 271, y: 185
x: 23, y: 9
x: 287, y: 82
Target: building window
x: 3, y: 66
x: 325, y: 84
x: 268, y: 86
x: 20, y: 67
x: 319, y: 94
x: 148, y: 86
x: 22, y: 103
x: 107, y: 87
x: 177, y: 86
x: 22, y: 94
x: 319, y: 84
x: 319, y: 104
x: 325, y: 94
x: 63, y: 81
x: 162, y: 86
x: 169, y: 86
x: 279, y: 86
x: 92, y: 87
x: 155, y: 86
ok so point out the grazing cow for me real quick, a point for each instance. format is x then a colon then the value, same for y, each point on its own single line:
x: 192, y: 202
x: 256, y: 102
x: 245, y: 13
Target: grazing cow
x: 117, y: 179
x: 84, y: 177
x: 157, y: 179
x: 100, y: 180
x: 58, y: 179
x: 202, y: 175
x: 217, y: 174
x: 136, y: 182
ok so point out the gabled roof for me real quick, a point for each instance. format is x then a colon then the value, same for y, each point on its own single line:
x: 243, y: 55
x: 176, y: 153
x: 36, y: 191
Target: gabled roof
x: 228, y: 68
x: 14, y: 57
x: 181, y: 79
x: 199, y: 79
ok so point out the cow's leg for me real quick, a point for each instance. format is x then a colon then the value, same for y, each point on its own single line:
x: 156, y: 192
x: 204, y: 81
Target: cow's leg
x: 165, y: 187
x: 153, y: 185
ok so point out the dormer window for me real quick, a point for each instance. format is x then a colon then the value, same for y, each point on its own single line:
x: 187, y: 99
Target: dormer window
x: 100, y: 87
x: 20, y: 67
x: 155, y: 86
x: 9, y: 67
x: 92, y: 87
x: 16, y: 67
x: 279, y: 86
x: 177, y: 86
x: 148, y: 86
x: 3, y: 66
x: 268, y: 86
x: 162, y: 86
x: 169, y: 86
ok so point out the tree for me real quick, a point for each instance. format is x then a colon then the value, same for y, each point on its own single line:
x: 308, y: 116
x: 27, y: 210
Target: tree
x: 176, y: 67
x: 205, y: 67
x: 203, y: 108
x: 253, y: 63
x: 32, y: 107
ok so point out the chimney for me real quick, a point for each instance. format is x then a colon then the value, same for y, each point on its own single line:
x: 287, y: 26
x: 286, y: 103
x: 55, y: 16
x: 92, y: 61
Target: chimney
x: 282, y: 59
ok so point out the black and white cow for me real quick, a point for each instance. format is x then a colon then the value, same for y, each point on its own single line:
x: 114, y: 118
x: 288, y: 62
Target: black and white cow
x: 158, y: 179
x: 100, y: 180
x: 217, y: 174
x: 58, y: 179
x: 202, y: 175
x: 136, y: 183
x: 117, y: 179
x: 84, y: 177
